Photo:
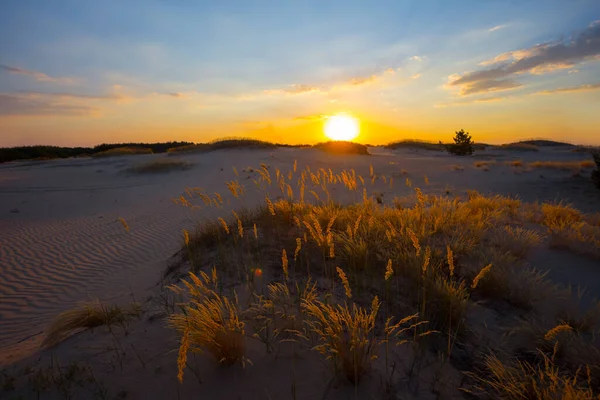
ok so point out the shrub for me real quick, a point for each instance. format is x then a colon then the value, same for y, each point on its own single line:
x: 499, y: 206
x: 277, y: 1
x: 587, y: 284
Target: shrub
x: 415, y: 144
x: 519, y: 147
x: 123, y: 151
x: 462, y: 146
x: 341, y: 147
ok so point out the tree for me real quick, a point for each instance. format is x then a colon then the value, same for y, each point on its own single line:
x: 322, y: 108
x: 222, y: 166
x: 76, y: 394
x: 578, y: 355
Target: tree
x: 462, y: 146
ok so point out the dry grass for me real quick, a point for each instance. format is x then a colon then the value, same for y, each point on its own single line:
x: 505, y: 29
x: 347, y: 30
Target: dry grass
x: 209, y: 322
x: 572, y: 166
x: 522, y: 380
x: 123, y: 151
x: 87, y: 316
x: 433, y: 258
x: 484, y: 164
x: 160, y: 166
x: 515, y: 163
x: 416, y: 144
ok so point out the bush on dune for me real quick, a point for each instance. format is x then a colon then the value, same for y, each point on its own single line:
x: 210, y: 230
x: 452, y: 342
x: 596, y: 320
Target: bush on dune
x: 519, y: 147
x: 342, y: 147
x: 123, y: 151
x: 224, y: 144
x: 415, y: 144
x: 462, y: 146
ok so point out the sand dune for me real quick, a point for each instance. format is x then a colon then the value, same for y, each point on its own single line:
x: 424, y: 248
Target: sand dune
x: 61, y: 241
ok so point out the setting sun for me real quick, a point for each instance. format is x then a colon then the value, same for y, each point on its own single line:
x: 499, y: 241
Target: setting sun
x: 341, y: 127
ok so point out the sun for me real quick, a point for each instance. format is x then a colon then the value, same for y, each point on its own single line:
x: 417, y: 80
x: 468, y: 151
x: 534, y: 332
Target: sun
x: 341, y: 127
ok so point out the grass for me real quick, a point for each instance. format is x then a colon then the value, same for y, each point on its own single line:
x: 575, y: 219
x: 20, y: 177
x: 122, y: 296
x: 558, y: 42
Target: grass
x: 519, y: 147
x: 484, y: 164
x: 123, y: 151
x: 342, y: 147
x: 415, y: 144
x: 209, y: 322
x: 523, y: 380
x: 86, y: 316
x: 160, y: 166
x: 573, y: 166
x: 223, y: 144
x: 433, y: 258
x: 354, y: 280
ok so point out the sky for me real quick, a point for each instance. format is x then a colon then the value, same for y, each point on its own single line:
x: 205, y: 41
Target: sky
x: 84, y: 72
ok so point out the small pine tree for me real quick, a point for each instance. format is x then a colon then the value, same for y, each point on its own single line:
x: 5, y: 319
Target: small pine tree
x: 462, y: 146
x: 596, y: 172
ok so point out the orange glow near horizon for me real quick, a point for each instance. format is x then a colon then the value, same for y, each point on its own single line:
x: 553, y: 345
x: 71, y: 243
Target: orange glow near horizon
x: 341, y: 127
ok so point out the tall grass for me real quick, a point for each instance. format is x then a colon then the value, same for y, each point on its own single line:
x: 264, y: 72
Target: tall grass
x: 332, y: 276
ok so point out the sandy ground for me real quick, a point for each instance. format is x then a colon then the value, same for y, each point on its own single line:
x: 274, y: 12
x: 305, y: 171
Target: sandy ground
x: 61, y: 241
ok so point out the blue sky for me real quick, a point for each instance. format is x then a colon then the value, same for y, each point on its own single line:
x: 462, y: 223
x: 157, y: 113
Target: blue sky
x: 195, y: 70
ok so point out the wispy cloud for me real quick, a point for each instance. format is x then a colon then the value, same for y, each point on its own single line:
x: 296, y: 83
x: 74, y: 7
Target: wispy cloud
x: 539, y: 59
x: 466, y: 101
x: 572, y: 89
x: 496, y: 28
x: 38, y: 76
x: 12, y: 105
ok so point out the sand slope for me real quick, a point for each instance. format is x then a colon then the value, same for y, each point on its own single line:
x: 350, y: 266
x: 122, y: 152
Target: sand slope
x: 61, y: 241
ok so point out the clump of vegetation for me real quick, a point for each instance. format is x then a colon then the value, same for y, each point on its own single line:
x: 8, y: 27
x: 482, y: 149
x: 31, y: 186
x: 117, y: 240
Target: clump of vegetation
x: 525, y: 380
x: 434, y: 258
x: 161, y: 166
x: 224, y: 144
x: 210, y: 322
x: 87, y: 316
x: 574, y: 166
x: 596, y: 172
x: 520, y: 146
x: 123, y: 151
x: 342, y: 147
x: 462, y: 146
x: 415, y: 144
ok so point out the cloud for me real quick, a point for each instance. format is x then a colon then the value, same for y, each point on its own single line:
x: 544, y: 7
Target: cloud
x: 66, y: 95
x: 38, y: 76
x: 14, y: 105
x: 572, y: 89
x: 496, y: 28
x: 539, y: 59
x: 490, y: 85
x: 416, y: 58
x: 462, y: 102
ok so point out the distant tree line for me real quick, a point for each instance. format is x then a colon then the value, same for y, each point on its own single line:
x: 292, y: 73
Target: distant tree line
x: 48, y: 152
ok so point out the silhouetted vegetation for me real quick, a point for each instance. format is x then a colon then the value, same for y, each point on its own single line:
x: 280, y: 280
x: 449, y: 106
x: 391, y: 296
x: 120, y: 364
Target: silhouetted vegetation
x: 520, y: 146
x: 41, y: 152
x: 545, y: 143
x: 155, y: 147
x: 341, y: 147
x: 415, y: 144
x: 50, y: 152
x: 462, y: 146
x: 596, y: 172
x: 222, y: 144
x: 123, y: 151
